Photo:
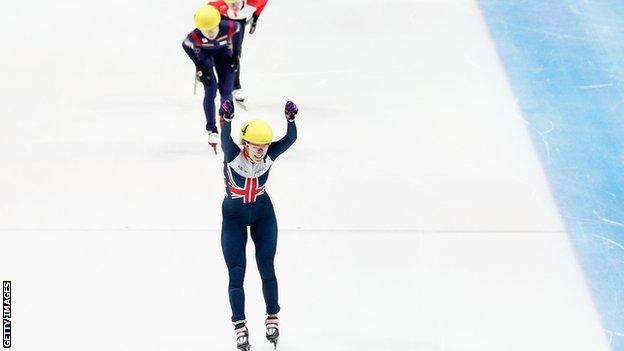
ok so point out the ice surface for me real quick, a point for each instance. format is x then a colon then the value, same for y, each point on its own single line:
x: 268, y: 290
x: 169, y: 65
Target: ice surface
x: 413, y: 212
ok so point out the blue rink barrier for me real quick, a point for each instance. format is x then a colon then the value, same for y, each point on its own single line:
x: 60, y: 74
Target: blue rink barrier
x: 565, y: 63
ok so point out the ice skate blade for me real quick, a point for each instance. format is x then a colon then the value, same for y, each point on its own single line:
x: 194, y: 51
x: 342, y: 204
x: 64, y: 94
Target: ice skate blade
x: 214, y: 147
x: 241, y: 104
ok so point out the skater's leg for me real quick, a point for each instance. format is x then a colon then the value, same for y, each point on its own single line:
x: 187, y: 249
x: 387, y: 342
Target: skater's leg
x: 225, y: 72
x: 233, y: 241
x: 237, y: 42
x: 237, y: 71
x: 210, y: 92
x: 264, y: 235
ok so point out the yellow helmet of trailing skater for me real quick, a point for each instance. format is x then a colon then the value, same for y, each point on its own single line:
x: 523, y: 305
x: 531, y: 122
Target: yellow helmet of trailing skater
x: 257, y: 131
x: 207, y: 17
x: 230, y: 2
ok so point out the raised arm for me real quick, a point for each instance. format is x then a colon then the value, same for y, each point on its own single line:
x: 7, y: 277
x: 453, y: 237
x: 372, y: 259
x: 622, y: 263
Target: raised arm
x: 229, y: 147
x: 278, y: 147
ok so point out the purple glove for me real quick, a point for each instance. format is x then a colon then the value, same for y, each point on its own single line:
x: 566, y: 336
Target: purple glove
x: 226, y: 111
x: 290, y: 110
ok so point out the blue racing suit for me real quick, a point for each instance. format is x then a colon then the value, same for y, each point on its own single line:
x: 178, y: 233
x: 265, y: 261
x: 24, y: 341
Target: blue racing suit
x: 247, y: 204
x: 208, y: 56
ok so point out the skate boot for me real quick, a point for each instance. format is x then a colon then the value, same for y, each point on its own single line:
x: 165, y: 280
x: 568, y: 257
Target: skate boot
x: 272, y: 330
x: 239, y: 98
x: 213, y: 140
x: 242, y: 336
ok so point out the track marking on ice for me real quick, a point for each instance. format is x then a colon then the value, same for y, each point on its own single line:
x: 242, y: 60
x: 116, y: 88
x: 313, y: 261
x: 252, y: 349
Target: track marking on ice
x: 609, y: 241
x: 606, y: 220
x: 558, y: 35
x: 542, y: 134
x: 596, y: 86
x: 611, y: 333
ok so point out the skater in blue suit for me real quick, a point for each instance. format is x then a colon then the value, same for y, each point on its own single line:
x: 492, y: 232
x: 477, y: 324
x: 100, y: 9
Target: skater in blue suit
x: 247, y: 204
x: 209, y: 46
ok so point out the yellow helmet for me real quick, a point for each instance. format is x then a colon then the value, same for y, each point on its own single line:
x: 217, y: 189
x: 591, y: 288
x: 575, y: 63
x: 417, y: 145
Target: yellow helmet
x: 231, y: 1
x: 257, y: 131
x: 207, y: 17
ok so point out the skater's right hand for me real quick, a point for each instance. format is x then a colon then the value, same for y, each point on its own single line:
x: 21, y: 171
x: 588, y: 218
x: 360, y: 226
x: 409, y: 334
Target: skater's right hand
x: 226, y: 111
x: 201, y: 76
x: 290, y: 110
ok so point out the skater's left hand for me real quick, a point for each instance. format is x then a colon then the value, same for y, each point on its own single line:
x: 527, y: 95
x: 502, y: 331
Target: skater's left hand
x: 290, y: 110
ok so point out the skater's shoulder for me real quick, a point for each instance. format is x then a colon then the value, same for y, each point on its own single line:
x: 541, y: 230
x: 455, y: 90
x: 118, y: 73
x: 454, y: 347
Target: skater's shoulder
x: 220, y: 5
x: 196, y: 32
x: 258, y: 4
x: 243, y: 15
x: 195, y: 37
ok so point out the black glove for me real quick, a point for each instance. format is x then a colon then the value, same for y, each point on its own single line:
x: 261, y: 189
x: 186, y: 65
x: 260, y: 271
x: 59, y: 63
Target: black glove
x: 236, y: 62
x: 201, y: 74
x: 252, y: 24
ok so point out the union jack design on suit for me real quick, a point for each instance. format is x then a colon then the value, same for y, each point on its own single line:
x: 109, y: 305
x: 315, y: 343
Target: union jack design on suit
x: 249, y: 192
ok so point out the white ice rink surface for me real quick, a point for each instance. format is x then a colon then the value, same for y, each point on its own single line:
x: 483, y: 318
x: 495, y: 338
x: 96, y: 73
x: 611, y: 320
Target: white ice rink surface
x: 414, y: 214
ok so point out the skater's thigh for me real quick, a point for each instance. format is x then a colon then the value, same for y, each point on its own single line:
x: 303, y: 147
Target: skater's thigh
x: 225, y: 72
x: 264, y: 235
x: 223, y: 65
x: 233, y: 241
x: 210, y: 87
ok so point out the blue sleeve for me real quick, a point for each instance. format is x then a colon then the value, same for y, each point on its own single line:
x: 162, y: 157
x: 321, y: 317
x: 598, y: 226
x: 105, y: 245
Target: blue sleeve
x: 200, y: 56
x: 191, y: 51
x: 229, y: 147
x: 237, y: 39
x: 278, y: 147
